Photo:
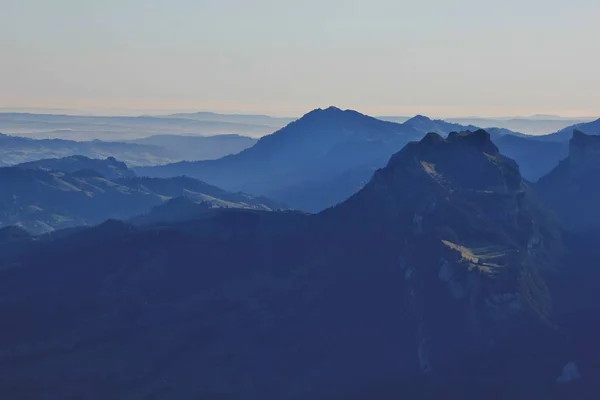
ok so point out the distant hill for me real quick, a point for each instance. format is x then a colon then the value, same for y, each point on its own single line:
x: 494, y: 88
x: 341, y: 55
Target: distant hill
x: 210, y: 217
x: 572, y: 189
x: 199, y: 191
x: 437, y: 280
x: 42, y: 201
x: 195, y: 148
x: 564, y: 135
x: 109, y: 168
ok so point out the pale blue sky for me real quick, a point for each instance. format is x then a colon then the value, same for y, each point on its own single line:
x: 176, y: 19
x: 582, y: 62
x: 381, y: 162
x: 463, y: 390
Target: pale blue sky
x: 436, y: 57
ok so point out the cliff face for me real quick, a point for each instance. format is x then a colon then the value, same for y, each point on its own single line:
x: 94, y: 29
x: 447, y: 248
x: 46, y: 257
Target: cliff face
x: 572, y: 190
x: 584, y: 151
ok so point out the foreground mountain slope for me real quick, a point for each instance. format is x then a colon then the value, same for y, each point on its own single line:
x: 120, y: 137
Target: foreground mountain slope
x: 310, y: 152
x: 431, y: 282
x: 572, y: 190
x: 42, y: 201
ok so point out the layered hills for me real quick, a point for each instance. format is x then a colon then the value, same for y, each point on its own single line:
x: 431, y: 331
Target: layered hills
x: 60, y: 193
x: 327, y: 155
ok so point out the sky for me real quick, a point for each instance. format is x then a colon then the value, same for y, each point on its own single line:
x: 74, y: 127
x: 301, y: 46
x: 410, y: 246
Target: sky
x: 394, y: 57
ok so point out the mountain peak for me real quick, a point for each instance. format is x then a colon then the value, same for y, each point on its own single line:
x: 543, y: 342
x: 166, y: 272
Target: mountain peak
x: 419, y: 118
x: 333, y: 109
x: 432, y: 138
x: 480, y: 139
x: 466, y: 160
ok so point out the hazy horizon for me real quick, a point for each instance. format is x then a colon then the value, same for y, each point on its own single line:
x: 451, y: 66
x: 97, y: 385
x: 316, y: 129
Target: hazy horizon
x: 161, y: 113
x: 269, y: 57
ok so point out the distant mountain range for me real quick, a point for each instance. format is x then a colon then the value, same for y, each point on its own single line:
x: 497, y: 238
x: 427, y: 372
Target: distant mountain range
x: 325, y: 156
x: 442, y: 278
x: 310, y: 164
x: 534, y: 125
x: 52, y: 194
x: 119, y: 128
x: 153, y: 150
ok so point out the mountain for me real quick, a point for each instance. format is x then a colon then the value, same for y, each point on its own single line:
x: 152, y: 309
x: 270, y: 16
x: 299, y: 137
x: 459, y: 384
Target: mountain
x: 41, y: 200
x: 571, y: 190
x: 109, y: 168
x: 198, y: 148
x: 436, y: 280
x: 563, y: 135
x: 327, y: 155
x: 311, y: 152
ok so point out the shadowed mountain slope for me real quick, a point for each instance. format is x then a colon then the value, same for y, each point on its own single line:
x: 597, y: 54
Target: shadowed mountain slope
x: 434, y: 281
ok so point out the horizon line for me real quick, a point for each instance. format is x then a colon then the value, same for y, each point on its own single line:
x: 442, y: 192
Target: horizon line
x: 122, y: 112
